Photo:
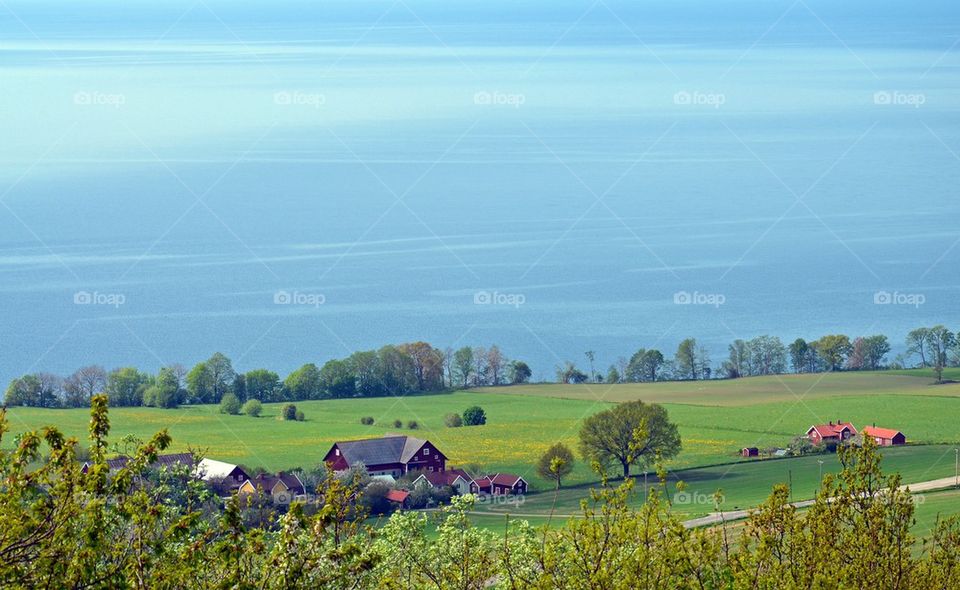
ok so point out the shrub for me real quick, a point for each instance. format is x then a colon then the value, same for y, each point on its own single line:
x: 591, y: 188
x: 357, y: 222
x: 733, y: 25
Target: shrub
x: 252, y: 408
x: 453, y: 420
x: 367, y: 420
x: 412, y: 425
x: 300, y: 416
x: 230, y: 404
x: 288, y: 412
x: 398, y: 424
x: 474, y: 416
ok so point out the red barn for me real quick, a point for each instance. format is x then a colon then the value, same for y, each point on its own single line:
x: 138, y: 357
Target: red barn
x: 502, y: 484
x: 885, y: 437
x: 831, y: 433
x: 389, y: 455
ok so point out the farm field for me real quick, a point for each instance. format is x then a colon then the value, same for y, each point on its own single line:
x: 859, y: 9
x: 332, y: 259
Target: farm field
x: 715, y: 418
x: 753, y: 390
x: 746, y: 484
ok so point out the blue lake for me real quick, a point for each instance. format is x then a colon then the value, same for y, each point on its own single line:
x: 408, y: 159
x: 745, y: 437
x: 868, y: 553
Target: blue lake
x: 289, y: 182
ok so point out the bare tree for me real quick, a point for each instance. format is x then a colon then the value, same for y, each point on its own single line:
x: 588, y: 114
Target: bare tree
x: 479, y: 366
x: 83, y: 384
x: 495, y: 362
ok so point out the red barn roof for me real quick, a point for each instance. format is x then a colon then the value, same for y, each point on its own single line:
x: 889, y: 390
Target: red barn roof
x: 880, y: 432
x: 398, y: 496
x: 832, y: 429
x: 506, y: 479
x: 446, y: 478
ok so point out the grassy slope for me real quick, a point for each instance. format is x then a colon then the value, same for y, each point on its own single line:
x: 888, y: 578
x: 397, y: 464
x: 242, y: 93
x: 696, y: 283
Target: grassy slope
x: 716, y: 418
x: 518, y: 429
x: 747, y: 484
x: 753, y: 390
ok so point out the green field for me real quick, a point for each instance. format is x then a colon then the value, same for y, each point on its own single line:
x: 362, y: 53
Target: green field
x: 716, y: 419
x: 746, y: 484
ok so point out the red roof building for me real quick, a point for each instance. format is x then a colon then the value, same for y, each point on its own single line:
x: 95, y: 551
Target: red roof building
x: 885, y: 437
x: 392, y: 455
x: 831, y: 433
x: 502, y: 484
x: 398, y: 496
x: 455, y: 478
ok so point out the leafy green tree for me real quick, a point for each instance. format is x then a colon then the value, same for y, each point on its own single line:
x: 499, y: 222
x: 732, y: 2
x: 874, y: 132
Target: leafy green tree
x: 23, y: 391
x: 687, y: 360
x: 125, y: 386
x: 463, y: 365
x: 199, y: 384
x: 337, y: 379
x: 556, y: 463
x: 252, y: 408
x: 800, y: 353
x: 396, y: 371
x: 474, y: 416
x: 230, y: 404
x: 644, y: 366
x: 518, y: 372
x: 627, y: 433
x: 833, y: 349
x: 262, y: 385
x: 304, y: 383
x: 165, y: 392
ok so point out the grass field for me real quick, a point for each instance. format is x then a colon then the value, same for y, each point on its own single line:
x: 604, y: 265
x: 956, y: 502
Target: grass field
x: 746, y: 484
x: 929, y: 508
x: 715, y: 418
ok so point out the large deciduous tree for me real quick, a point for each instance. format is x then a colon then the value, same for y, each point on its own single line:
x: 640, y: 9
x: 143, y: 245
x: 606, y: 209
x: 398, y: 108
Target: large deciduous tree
x: 833, y: 349
x: 628, y: 433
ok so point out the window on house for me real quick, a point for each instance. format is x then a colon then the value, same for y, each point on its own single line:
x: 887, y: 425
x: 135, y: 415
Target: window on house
x: 336, y: 452
x: 426, y: 451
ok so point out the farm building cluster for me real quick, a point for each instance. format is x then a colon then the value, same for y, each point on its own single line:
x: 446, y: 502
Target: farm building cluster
x: 834, y: 433
x: 830, y: 435
x: 401, y: 463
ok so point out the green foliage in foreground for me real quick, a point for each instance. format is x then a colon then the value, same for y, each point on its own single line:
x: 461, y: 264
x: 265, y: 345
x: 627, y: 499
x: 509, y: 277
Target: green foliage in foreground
x: 62, y: 528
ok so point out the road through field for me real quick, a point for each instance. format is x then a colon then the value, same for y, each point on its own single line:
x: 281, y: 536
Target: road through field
x: 721, y: 517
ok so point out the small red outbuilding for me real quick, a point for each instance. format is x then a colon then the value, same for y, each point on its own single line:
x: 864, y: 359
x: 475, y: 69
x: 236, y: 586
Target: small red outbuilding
x: 885, y: 437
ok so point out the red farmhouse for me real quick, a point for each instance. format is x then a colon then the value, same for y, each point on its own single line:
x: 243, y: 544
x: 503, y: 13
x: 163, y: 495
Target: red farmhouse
x: 885, y: 437
x: 390, y: 455
x: 502, y: 484
x: 832, y: 433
